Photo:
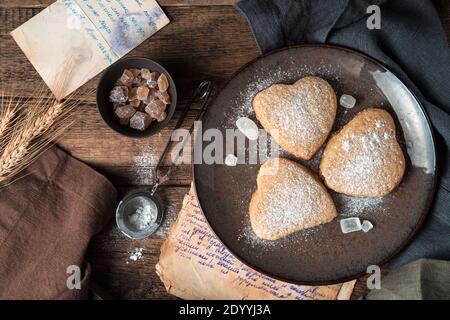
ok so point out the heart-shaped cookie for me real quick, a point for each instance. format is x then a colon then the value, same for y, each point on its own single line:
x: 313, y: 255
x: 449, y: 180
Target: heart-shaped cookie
x: 288, y: 198
x: 364, y: 158
x: 298, y: 116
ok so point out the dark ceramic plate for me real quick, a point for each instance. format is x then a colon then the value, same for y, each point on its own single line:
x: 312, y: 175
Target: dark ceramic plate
x: 321, y: 255
x: 106, y: 84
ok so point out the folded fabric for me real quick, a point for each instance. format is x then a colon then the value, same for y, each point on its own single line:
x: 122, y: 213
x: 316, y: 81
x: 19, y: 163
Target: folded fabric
x: 423, y: 279
x: 47, y: 218
x: 411, y: 42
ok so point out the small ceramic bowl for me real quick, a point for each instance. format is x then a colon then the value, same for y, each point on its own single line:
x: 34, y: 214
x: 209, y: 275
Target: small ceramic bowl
x: 107, y: 83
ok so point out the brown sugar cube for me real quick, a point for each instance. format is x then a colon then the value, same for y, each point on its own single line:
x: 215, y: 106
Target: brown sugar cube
x: 152, y: 81
x: 136, y: 72
x: 140, y: 121
x: 137, y: 81
x: 117, y: 105
x: 163, y: 96
x: 155, y: 108
x: 119, y: 94
x: 127, y: 77
x: 135, y: 103
x: 132, y: 94
x: 163, y: 83
x: 149, y: 99
x: 162, y: 117
x: 145, y: 74
x: 124, y: 114
x: 142, y: 92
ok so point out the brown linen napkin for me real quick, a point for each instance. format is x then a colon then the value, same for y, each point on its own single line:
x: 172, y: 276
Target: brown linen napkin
x: 47, y: 219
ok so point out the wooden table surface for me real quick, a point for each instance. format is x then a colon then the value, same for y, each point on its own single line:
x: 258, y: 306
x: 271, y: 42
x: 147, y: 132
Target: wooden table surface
x: 206, y: 38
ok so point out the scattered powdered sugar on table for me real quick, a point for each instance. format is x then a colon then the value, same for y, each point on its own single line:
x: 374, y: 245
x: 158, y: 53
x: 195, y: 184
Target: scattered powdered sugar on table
x: 143, y: 164
x: 136, y: 255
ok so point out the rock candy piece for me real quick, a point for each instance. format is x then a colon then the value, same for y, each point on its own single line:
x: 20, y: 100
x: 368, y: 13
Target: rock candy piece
x: 140, y: 121
x: 142, y: 92
x: 366, y: 226
x: 163, y: 96
x: 127, y: 78
x: 152, y: 81
x: 132, y: 94
x: 163, y: 83
x: 124, y: 114
x: 155, y: 108
x: 162, y: 117
x: 145, y: 74
x: 347, y: 101
x: 231, y: 160
x: 119, y: 94
x: 248, y: 127
x: 350, y: 225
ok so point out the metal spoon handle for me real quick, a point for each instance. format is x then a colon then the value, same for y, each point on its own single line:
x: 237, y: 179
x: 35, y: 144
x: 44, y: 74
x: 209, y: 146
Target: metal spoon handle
x: 202, y: 92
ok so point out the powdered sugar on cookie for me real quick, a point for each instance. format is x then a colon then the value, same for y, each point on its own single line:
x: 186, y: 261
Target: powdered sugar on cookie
x: 290, y: 201
x: 302, y: 114
x: 364, y: 158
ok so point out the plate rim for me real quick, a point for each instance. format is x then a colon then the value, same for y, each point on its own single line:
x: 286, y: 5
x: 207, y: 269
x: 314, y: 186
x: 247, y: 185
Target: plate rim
x: 414, y: 231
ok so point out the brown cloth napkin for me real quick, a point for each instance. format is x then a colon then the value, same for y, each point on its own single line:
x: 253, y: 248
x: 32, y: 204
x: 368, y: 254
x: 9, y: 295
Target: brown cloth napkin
x: 47, y: 219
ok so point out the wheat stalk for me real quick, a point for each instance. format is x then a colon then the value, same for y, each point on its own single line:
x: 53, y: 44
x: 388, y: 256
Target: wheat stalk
x: 29, y: 126
x: 24, y: 143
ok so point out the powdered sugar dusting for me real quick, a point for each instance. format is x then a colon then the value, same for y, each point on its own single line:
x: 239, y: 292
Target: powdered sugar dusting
x: 294, y: 200
x: 136, y: 255
x: 264, y: 78
x: 352, y: 206
x: 143, y: 165
x: 307, y: 115
x: 250, y: 238
x: 374, y: 164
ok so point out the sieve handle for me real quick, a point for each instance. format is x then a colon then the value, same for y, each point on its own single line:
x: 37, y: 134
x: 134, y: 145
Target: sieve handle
x: 202, y: 93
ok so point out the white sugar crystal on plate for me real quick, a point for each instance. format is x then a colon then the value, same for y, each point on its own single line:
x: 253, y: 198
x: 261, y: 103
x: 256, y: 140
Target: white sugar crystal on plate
x: 347, y: 101
x: 231, y: 160
x: 366, y: 226
x: 350, y: 225
x: 248, y: 128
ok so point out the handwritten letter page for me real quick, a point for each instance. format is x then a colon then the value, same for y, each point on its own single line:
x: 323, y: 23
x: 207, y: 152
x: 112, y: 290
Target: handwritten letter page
x: 71, y: 41
x: 195, y: 265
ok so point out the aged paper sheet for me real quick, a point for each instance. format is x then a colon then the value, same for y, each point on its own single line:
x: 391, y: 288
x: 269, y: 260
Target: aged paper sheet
x: 71, y: 41
x: 194, y: 265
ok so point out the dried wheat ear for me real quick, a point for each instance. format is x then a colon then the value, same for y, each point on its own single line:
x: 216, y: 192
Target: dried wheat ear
x: 28, y: 126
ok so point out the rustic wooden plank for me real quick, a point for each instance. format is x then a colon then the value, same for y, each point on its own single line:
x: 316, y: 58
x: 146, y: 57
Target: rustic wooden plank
x: 200, y: 42
x: 165, y: 3
x: 124, y: 160
x: 109, y: 255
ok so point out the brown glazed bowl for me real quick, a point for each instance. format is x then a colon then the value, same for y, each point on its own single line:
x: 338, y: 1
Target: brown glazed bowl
x: 106, y: 84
